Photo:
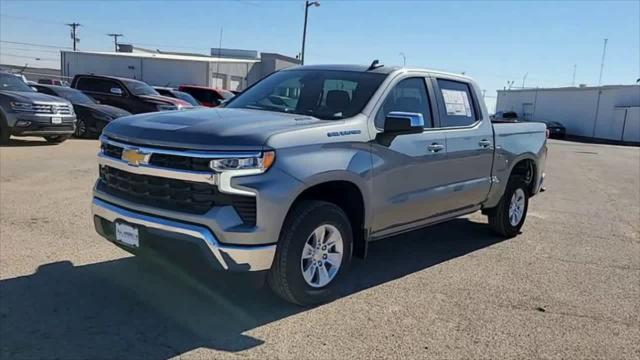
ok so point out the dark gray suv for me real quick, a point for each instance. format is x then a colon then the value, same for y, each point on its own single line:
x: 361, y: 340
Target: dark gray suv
x: 25, y: 112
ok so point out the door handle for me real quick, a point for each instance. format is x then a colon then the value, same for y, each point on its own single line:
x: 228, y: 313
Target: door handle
x: 485, y: 144
x: 435, y: 147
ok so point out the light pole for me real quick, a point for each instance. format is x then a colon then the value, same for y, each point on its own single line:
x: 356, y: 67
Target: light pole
x: 307, y: 5
x: 115, y: 40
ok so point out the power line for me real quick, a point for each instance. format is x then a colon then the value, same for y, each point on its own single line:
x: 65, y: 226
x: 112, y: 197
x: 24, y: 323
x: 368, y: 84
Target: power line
x: 29, y: 57
x: 33, y: 44
x: 25, y: 49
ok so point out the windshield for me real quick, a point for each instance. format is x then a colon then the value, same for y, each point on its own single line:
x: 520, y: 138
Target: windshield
x: 75, y: 96
x: 186, y: 97
x: 10, y: 82
x: 140, y: 88
x: 325, y: 94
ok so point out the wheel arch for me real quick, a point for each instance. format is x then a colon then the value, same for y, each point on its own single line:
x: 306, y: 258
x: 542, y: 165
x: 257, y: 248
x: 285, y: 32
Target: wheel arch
x: 346, y: 194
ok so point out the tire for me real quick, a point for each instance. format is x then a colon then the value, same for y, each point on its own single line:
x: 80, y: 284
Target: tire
x: 299, y: 232
x: 58, y: 139
x: 81, y: 129
x: 5, y: 134
x: 501, y: 218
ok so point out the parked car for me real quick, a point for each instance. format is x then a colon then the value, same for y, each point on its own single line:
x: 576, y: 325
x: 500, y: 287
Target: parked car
x: 171, y: 92
x: 53, y: 82
x: 209, y: 97
x: 295, y: 189
x: 24, y: 112
x: 131, y: 95
x: 91, y: 116
x: 556, y: 129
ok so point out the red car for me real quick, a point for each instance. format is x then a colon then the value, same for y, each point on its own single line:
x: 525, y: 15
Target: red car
x: 207, y: 96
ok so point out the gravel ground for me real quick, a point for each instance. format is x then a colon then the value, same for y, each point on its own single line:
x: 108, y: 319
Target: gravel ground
x: 568, y: 287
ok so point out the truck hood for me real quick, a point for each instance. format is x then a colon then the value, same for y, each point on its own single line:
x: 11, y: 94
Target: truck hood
x: 28, y: 96
x: 207, y: 129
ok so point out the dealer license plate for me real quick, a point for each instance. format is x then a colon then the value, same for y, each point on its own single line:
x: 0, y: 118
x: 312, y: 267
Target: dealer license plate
x: 56, y: 120
x: 127, y: 234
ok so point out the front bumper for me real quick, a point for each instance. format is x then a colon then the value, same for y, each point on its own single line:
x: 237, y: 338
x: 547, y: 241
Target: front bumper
x: 40, y: 124
x: 172, y: 238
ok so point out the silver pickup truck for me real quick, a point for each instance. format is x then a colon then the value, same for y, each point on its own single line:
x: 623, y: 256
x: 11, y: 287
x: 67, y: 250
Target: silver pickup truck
x: 302, y: 170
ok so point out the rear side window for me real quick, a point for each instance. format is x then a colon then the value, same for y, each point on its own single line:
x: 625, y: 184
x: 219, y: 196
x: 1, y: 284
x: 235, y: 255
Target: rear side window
x: 97, y: 85
x: 409, y: 95
x: 45, y: 90
x: 455, y: 103
x: 201, y: 95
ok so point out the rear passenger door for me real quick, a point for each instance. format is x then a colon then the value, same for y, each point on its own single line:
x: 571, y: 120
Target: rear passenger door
x: 407, y: 170
x: 469, y: 139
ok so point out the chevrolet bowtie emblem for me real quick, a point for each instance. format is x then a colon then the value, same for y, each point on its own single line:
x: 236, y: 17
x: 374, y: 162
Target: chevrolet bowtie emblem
x: 135, y: 157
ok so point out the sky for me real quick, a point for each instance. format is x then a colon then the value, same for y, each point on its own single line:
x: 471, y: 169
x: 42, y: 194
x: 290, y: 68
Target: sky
x: 495, y: 42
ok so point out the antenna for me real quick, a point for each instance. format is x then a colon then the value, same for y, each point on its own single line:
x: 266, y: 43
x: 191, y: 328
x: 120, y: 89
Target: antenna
x: 374, y: 65
x: 604, y: 52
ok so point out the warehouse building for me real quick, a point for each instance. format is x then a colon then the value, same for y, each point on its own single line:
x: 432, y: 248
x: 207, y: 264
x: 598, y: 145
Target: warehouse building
x: 604, y: 112
x: 229, y: 68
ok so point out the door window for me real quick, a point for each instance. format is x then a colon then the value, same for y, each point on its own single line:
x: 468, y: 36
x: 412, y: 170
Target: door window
x: 98, y: 85
x: 409, y: 95
x: 455, y: 104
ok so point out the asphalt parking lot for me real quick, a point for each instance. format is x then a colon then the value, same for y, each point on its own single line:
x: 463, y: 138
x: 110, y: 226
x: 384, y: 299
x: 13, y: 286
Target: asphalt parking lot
x: 567, y: 287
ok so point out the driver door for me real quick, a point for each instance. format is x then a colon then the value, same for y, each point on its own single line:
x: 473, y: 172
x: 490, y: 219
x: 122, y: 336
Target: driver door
x: 407, y: 172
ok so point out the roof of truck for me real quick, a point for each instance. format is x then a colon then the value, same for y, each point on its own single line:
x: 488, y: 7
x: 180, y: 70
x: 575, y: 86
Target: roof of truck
x: 365, y: 68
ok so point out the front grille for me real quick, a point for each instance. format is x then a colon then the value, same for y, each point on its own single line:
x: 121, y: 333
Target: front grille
x: 61, y: 109
x: 173, y: 194
x: 111, y: 150
x: 180, y: 162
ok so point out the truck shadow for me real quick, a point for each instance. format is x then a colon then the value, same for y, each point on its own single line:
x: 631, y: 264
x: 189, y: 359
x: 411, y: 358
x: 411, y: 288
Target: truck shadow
x: 136, y: 308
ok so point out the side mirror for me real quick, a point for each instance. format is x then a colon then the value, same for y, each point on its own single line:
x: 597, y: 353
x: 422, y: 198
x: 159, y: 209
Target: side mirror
x: 116, y: 91
x: 398, y: 122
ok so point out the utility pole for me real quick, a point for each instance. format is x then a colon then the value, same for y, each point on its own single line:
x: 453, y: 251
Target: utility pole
x: 75, y: 39
x: 404, y: 59
x: 604, y: 52
x: 115, y: 40
x: 218, y: 64
x: 484, y: 92
x: 573, y: 82
x: 524, y: 78
x: 307, y: 5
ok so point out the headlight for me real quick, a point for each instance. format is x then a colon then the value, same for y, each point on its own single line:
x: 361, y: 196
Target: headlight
x: 253, y: 165
x: 165, y: 107
x: 21, y: 106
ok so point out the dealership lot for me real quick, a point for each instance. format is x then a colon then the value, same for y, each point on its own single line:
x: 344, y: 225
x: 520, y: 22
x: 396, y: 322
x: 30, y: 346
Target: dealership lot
x: 568, y: 287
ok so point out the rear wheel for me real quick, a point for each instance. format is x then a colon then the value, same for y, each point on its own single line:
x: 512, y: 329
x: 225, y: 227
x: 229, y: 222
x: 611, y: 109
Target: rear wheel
x: 313, y: 254
x: 507, y: 218
x: 5, y: 135
x: 57, y: 139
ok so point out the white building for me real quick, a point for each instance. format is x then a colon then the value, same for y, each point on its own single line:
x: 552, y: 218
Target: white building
x: 605, y: 112
x: 172, y: 69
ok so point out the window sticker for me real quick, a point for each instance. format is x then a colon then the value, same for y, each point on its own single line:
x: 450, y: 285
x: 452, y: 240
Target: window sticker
x: 457, y: 102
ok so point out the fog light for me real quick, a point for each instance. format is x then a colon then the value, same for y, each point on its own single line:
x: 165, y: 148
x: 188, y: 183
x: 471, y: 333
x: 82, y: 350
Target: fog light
x: 23, y: 123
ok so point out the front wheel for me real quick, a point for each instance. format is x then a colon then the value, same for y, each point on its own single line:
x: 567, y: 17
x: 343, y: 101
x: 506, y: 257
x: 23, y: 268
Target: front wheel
x: 81, y: 129
x: 507, y: 218
x: 314, y: 252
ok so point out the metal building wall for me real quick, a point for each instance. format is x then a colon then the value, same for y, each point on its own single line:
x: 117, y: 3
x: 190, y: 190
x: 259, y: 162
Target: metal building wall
x: 586, y: 112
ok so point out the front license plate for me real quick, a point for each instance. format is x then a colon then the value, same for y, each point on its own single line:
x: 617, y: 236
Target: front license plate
x: 127, y: 234
x: 56, y: 120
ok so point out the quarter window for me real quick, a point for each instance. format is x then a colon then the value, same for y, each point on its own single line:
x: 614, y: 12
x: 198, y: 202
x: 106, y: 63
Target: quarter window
x: 455, y: 104
x: 409, y: 95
